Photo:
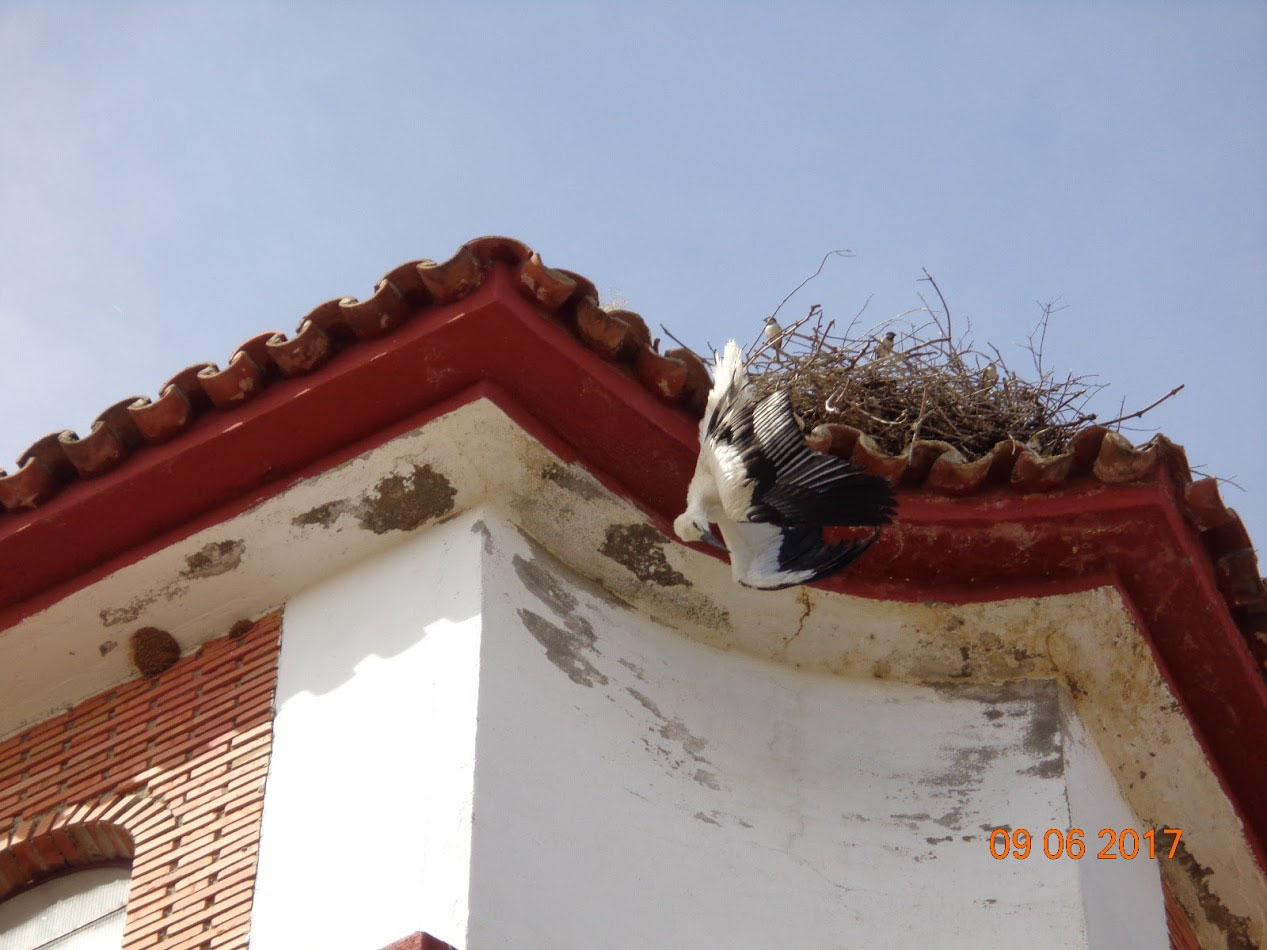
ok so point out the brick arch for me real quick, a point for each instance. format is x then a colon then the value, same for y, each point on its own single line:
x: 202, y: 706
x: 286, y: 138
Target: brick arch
x: 60, y: 842
x: 167, y: 773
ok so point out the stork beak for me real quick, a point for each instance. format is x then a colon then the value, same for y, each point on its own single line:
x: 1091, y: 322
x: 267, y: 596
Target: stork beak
x: 713, y: 540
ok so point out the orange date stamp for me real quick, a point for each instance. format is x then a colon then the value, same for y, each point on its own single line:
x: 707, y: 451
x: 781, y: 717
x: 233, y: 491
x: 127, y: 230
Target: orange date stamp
x: 1126, y: 844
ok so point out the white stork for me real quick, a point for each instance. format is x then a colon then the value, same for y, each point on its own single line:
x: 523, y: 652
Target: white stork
x: 769, y: 492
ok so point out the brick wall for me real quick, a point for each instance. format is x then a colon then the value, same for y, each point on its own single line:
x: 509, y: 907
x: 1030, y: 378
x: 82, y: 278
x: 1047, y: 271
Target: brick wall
x: 1182, y: 936
x: 167, y: 773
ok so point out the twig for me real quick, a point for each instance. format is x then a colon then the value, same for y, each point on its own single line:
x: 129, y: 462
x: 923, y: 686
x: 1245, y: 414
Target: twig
x: 669, y: 334
x: 944, y: 306
x: 839, y: 252
x: 1136, y: 415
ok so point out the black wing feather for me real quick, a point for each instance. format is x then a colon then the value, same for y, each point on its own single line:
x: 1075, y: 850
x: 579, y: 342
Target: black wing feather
x: 802, y: 549
x: 807, y: 487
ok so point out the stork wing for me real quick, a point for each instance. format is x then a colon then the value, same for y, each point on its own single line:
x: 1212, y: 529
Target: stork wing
x: 801, y: 486
x: 771, y: 557
x: 727, y: 442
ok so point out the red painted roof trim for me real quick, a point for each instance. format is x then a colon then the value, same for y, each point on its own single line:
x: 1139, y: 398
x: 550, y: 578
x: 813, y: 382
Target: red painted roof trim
x: 495, y: 342
x: 419, y: 941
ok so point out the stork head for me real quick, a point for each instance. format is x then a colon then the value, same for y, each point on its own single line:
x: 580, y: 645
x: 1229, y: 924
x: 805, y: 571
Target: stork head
x: 692, y: 527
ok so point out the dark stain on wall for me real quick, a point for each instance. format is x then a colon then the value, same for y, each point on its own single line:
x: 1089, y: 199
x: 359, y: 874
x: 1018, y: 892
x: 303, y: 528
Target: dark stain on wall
x: 482, y: 529
x: 640, y: 548
x: 565, y: 645
x: 403, y: 502
x: 565, y: 648
x: 1234, y: 928
x: 395, y: 503
x: 322, y: 515
x: 570, y: 480
x: 217, y: 557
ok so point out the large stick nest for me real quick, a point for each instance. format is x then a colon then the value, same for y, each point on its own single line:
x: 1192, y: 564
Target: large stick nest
x: 923, y: 382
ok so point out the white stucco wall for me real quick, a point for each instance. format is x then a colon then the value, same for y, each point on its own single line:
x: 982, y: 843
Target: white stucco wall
x: 635, y: 788
x: 366, y: 828
x: 1122, y: 899
x: 631, y: 787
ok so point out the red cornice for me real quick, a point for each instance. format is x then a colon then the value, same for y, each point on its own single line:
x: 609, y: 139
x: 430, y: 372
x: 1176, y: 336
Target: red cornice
x: 620, y: 412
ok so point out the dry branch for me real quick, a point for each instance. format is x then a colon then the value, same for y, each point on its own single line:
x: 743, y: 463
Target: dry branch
x: 933, y: 385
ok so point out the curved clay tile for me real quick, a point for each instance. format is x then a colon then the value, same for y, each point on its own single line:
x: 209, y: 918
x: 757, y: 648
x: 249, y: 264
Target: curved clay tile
x: 257, y: 348
x: 663, y: 375
x: 28, y: 487
x: 163, y: 418
x: 188, y: 383
x: 638, y: 325
x: 110, y: 440
x: 698, y: 384
x: 1119, y: 461
x: 1085, y: 446
x: 1205, y: 505
x: 550, y: 288
x: 330, y: 318
x: 50, y: 453
x: 455, y: 278
x: 240, y: 381
x: 1237, y: 577
x: 611, y: 335
x: 1032, y: 472
x: 868, y: 454
x: 407, y: 281
x: 584, y: 286
x: 833, y: 438
x: 921, y: 456
x: 376, y: 315
x: 308, y: 349
x: 953, y: 476
x: 494, y: 247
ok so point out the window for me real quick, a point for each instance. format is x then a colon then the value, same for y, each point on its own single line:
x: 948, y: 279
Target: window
x: 83, y: 910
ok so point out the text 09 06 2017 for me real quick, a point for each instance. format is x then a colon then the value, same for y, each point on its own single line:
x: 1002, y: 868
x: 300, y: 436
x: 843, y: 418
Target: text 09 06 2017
x: 1057, y: 843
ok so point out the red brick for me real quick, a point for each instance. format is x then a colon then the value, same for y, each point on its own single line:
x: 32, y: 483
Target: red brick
x: 45, y: 824
x: 198, y: 741
x: 32, y: 760
x: 32, y: 864
x: 87, y: 844
x: 11, y: 871
x: 8, y: 805
x: 153, y: 823
x: 160, y: 835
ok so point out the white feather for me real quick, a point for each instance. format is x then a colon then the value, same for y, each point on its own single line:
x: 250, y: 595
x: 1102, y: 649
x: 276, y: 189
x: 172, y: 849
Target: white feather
x: 721, y: 492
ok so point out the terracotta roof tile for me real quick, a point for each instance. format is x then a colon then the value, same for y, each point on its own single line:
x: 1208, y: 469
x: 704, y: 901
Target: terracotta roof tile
x: 677, y: 378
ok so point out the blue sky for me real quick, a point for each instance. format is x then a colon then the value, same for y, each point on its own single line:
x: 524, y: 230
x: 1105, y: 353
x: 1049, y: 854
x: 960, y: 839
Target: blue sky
x: 178, y: 177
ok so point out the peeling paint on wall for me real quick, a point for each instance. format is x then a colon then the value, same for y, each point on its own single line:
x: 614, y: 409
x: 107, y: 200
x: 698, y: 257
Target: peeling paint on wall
x: 480, y: 528
x: 216, y: 557
x: 545, y: 586
x: 640, y: 547
x: 675, y: 730
x: 395, y: 503
x: 1038, y: 700
x: 1235, y: 929
x: 577, y: 482
x: 403, y: 502
x: 321, y: 515
x: 129, y: 612
x: 565, y: 646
